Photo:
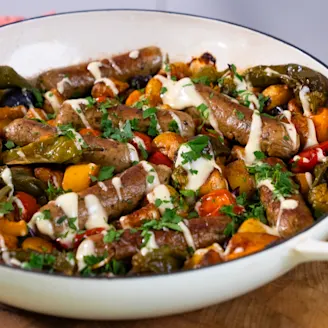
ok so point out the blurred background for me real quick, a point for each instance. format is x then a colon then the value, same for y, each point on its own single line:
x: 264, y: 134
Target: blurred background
x: 300, y: 22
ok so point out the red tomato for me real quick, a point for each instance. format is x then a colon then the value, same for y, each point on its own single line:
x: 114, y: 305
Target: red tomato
x: 101, y: 99
x: 89, y: 132
x: 30, y: 205
x: 146, y: 139
x: 79, y: 237
x: 211, y: 203
x: 159, y: 158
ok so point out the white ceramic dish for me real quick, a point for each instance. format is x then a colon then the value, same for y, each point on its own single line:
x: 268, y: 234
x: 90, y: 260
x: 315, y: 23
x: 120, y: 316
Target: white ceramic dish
x: 38, y: 44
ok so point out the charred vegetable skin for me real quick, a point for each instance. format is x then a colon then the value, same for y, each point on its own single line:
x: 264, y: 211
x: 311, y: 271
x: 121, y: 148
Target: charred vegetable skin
x: 148, y: 62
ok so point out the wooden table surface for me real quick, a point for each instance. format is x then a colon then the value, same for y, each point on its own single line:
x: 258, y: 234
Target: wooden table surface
x: 298, y: 299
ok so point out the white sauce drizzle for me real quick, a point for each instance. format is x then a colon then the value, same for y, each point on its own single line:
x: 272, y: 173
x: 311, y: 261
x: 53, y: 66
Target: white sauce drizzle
x: 4, y: 251
x: 163, y: 193
x: 29, y: 102
x: 94, y: 69
x: 309, y: 179
x: 244, y: 93
x: 102, y: 186
x: 19, y: 204
x: 187, y: 235
x: 61, y: 84
x: 150, y: 172
x: 117, y: 184
x: 86, y: 248
x: 285, y: 204
x: 151, y: 244
x: 202, y: 165
x: 21, y: 154
x: 303, y: 94
x: 7, y: 179
x: 133, y: 154
x: 35, y: 114
x: 139, y: 141
x: 53, y: 100
x: 134, y: 54
x: 321, y: 157
x: 312, y: 136
x: 254, y: 140
x: 44, y: 226
x: 97, y: 216
x: 116, y: 68
x: 176, y: 118
x: 75, y: 104
x: 291, y: 130
x: 109, y: 83
x: 214, y: 247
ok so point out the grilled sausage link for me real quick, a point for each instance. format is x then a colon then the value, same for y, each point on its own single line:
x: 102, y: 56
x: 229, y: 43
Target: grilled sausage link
x: 289, y: 221
x: 80, y: 80
x: 133, y: 189
x: 204, y: 231
x: 275, y: 140
x: 121, y: 114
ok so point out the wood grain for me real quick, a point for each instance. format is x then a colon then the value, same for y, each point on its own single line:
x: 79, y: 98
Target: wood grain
x: 298, y: 299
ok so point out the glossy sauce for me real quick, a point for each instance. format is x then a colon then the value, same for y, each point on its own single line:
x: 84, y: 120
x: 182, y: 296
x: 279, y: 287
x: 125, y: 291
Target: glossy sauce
x: 7, y: 179
x: 312, y: 136
x: 61, y: 84
x: 303, y: 94
x: 163, y: 193
x: 133, y: 154
x: 254, y: 140
x: 134, y: 54
x: 187, y: 235
x: 86, y: 248
x: 150, y: 172
x: 109, y: 83
x: 97, y: 216
x: 117, y: 184
x: 75, y: 104
x: 291, y: 130
x: 53, y: 101
x: 116, y: 68
x: 94, y: 69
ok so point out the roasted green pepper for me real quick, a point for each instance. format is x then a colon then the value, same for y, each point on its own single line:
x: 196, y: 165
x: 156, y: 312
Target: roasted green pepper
x: 9, y: 78
x: 318, y: 198
x: 52, y: 150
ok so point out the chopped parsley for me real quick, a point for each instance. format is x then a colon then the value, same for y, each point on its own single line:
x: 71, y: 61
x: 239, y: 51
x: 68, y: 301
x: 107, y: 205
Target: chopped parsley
x: 46, y: 215
x: 187, y: 85
x: 194, y: 172
x: 112, y: 235
x: 286, y: 138
x: 6, y: 207
x: 188, y: 193
x: 10, y: 144
x: 202, y: 80
x: 203, y: 110
x: 38, y: 97
x: 91, y: 101
x: 53, y: 192
x: 152, y: 129
x: 105, y: 173
x: 197, y: 147
x: 239, y: 114
x: 173, y: 127
x: 139, y: 104
x: 143, y: 151
x: 233, y: 69
x: 163, y: 90
x: 262, y: 101
x: 150, y: 178
x: 259, y: 155
x: 71, y: 223
x: 134, y: 124
x: 149, y: 112
x: 39, y: 261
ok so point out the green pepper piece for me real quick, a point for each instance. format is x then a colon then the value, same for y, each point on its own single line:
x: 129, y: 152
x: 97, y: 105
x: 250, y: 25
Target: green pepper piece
x: 320, y: 172
x: 9, y: 78
x: 52, y: 150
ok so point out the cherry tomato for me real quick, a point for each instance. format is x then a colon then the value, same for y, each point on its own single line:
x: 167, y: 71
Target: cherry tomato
x: 89, y: 132
x: 211, y: 203
x: 159, y: 158
x: 79, y: 237
x: 101, y: 99
x: 30, y: 205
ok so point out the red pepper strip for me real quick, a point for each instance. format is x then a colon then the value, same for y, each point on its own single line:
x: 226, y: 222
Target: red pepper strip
x: 79, y: 237
x: 308, y: 158
x: 146, y: 139
x: 30, y: 205
x: 159, y: 158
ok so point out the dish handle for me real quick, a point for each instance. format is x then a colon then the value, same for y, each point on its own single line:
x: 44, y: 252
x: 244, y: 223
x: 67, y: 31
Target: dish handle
x: 311, y: 250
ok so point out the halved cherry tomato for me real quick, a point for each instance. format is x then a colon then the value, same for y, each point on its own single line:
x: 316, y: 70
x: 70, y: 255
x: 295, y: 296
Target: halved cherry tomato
x: 211, y: 203
x: 159, y: 158
x: 146, y: 139
x: 30, y: 205
x: 79, y: 237
x: 308, y: 158
x: 89, y: 132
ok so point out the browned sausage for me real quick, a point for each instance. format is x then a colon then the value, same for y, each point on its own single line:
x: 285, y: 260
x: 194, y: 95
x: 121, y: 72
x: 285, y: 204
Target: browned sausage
x: 24, y: 131
x: 121, y: 114
x: 275, y: 139
x: 122, y: 67
x: 12, y: 113
x: 205, y: 231
x: 134, y: 188
x: 291, y: 221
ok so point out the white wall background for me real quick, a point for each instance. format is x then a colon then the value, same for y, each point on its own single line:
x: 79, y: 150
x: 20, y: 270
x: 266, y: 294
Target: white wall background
x: 301, y: 22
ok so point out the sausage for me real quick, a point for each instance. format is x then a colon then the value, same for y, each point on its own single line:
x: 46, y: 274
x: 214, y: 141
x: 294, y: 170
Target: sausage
x: 205, y: 231
x: 23, y: 131
x: 123, y: 67
x: 291, y: 220
x: 134, y: 188
x: 122, y: 113
x: 275, y: 140
x: 107, y: 152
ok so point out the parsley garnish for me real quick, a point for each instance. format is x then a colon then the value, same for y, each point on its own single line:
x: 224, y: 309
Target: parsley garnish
x: 139, y: 104
x: 197, y: 147
x: 106, y: 172
x: 91, y: 101
x: 143, y: 151
x: 71, y: 223
x: 112, y: 235
x: 259, y: 155
x: 173, y: 127
x: 46, y: 215
x: 39, y: 261
x: 286, y: 138
x: 239, y: 114
x: 38, y: 97
x: 61, y: 219
x: 163, y: 90
x: 134, y: 124
x: 233, y: 69
x: 10, y: 144
x: 194, y: 172
x: 53, y: 192
x: 187, y: 193
x: 150, y: 178
x: 202, y: 79
x: 149, y: 112
x: 262, y: 101
x: 6, y: 207
x: 152, y: 129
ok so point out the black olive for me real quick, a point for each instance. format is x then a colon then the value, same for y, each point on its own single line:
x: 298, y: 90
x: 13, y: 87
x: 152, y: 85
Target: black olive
x: 139, y: 81
x: 277, y: 110
x: 16, y: 97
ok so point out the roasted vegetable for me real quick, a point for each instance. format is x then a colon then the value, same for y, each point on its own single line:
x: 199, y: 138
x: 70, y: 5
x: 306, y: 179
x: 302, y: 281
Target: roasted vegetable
x: 168, y: 143
x: 18, y: 97
x: 214, y: 182
x: 9, y: 78
x: 12, y: 228
x: 52, y: 150
x: 78, y: 177
x: 320, y: 174
x: 153, y: 92
x: 255, y: 225
x: 320, y: 120
x: 318, y: 198
x: 37, y: 244
x: 279, y: 94
x: 161, y: 260
x: 302, y: 180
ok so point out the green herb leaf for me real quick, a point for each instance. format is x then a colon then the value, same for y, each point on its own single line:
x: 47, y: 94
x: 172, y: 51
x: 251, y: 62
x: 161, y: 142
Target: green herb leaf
x: 163, y: 90
x: 6, y: 207
x: 10, y: 144
x: 149, y: 112
x: 112, y: 235
x: 105, y: 173
x: 259, y: 155
x: 173, y: 127
x: 239, y: 114
x: 150, y: 178
x: 46, y: 215
x: 38, y: 97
